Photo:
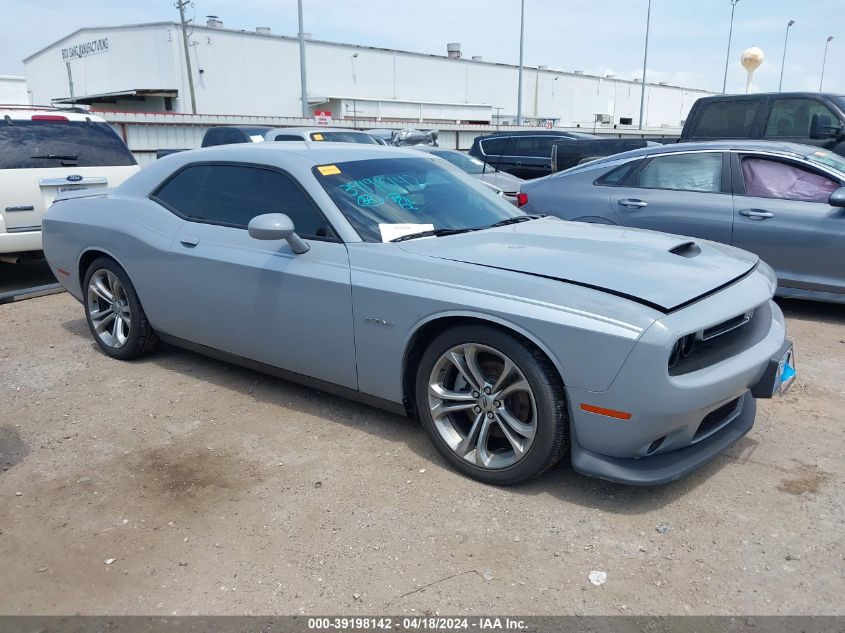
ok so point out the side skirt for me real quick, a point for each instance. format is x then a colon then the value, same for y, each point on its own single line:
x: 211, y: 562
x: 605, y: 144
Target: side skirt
x: 307, y: 381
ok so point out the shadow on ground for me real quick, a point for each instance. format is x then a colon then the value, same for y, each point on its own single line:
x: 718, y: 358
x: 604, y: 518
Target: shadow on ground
x: 560, y: 482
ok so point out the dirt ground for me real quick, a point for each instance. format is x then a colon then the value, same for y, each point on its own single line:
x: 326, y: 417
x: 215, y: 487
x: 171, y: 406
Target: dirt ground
x: 182, y: 485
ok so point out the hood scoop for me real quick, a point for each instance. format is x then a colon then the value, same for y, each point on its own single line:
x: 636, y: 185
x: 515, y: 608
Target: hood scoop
x: 686, y: 249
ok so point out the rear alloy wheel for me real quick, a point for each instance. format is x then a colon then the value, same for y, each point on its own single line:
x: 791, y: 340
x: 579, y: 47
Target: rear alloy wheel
x: 493, y: 405
x: 114, y: 313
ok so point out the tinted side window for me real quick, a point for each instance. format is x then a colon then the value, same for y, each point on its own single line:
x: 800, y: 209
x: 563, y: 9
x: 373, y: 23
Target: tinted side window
x: 180, y: 192
x: 791, y: 117
x: 539, y: 146
x: 494, y: 146
x: 35, y: 144
x: 684, y: 172
x: 222, y: 136
x: 727, y: 119
x: 231, y: 195
x: 617, y: 175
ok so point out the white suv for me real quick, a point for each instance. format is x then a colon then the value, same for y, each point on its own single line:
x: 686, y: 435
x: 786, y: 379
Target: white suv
x: 47, y: 151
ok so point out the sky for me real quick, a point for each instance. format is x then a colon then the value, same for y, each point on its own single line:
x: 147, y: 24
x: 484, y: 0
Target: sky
x: 687, y: 44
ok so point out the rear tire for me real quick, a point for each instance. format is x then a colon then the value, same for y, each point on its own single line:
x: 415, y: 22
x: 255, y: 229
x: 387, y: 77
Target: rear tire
x: 116, y: 319
x: 493, y: 405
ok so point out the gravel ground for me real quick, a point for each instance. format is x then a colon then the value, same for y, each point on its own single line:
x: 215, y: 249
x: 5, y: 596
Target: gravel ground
x: 179, y: 484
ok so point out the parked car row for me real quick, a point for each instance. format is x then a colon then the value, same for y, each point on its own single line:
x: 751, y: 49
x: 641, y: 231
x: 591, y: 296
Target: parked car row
x: 394, y: 276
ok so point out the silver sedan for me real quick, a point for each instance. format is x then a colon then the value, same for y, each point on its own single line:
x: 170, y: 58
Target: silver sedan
x: 782, y: 201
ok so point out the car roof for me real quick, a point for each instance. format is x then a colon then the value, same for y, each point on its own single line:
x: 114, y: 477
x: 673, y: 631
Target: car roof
x: 764, y: 95
x: 534, y: 133
x: 26, y: 114
x: 320, y: 128
x: 433, y: 148
x: 714, y: 146
x: 319, y: 151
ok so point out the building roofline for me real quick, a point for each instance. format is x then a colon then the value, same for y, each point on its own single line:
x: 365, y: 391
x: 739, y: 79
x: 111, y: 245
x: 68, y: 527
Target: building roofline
x: 467, y: 60
x: 95, y: 28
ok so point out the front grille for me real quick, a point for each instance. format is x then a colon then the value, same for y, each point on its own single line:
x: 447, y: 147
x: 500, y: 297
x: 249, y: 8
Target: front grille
x: 718, y: 342
x: 715, y: 419
x: 726, y: 326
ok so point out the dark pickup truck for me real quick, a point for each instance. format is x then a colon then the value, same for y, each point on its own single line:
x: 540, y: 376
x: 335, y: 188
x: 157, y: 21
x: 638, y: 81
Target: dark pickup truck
x: 810, y: 118
x: 534, y: 154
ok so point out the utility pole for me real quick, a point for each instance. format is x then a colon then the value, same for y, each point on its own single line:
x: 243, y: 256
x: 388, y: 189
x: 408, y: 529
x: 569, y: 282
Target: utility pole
x: 302, y: 80
x: 783, y: 60
x: 824, y: 61
x: 180, y: 4
x: 728, y: 54
x: 521, y: 43
x: 645, y: 61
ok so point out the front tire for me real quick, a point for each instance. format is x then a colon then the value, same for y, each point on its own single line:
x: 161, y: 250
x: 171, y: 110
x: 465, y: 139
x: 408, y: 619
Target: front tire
x: 493, y: 405
x: 114, y: 313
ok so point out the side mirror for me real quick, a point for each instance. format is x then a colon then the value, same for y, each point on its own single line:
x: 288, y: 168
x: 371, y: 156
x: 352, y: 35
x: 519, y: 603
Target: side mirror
x: 822, y: 127
x: 276, y: 226
x: 837, y: 198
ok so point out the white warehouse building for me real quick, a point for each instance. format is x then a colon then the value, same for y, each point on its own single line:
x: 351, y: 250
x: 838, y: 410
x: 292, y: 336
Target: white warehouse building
x: 142, y: 68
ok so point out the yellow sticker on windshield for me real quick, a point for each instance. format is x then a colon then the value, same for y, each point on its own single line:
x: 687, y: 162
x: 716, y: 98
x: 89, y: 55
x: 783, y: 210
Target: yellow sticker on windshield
x: 316, y: 137
x: 328, y: 170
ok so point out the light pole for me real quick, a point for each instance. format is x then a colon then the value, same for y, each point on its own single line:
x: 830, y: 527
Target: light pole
x: 783, y: 61
x: 645, y: 61
x: 521, y: 42
x: 824, y: 61
x: 728, y: 54
x: 302, y: 82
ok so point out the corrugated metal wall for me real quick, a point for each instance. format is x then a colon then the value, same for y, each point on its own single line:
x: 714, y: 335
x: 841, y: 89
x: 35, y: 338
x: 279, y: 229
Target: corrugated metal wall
x: 146, y: 133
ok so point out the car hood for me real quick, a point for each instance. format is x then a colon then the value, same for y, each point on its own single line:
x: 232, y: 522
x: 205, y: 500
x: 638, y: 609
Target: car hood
x: 503, y: 180
x: 656, y: 269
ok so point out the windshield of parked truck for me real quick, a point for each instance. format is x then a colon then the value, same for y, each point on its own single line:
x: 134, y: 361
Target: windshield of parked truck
x: 344, y: 137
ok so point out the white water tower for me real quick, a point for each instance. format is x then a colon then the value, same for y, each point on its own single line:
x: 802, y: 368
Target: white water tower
x: 752, y: 58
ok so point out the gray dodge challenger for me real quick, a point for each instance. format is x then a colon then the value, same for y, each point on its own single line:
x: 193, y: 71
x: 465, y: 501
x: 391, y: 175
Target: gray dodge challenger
x: 392, y: 278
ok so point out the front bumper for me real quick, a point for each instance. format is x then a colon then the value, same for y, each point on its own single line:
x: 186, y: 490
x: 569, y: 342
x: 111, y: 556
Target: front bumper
x: 665, y: 467
x: 677, y: 422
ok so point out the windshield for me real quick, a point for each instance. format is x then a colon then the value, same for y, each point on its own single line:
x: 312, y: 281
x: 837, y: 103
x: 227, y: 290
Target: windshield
x: 377, y: 194
x: 829, y: 159
x: 344, y: 137
x: 466, y: 163
x: 34, y: 144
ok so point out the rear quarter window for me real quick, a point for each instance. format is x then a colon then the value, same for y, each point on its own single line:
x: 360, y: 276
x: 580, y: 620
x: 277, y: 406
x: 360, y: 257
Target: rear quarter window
x: 39, y: 144
x: 727, y: 119
x: 616, y: 176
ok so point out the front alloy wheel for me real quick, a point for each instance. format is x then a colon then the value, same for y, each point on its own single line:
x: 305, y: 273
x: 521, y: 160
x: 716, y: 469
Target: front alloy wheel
x: 493, y: 404
x: 482, y: 406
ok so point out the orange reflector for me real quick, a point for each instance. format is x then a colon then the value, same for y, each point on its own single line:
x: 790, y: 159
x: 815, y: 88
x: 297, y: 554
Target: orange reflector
x: 611, y: 413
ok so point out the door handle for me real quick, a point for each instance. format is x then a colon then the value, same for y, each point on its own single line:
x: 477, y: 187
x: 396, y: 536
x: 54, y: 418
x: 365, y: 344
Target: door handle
x: 633, y: 203
x: 756, y: 214
x: 188, y: 241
